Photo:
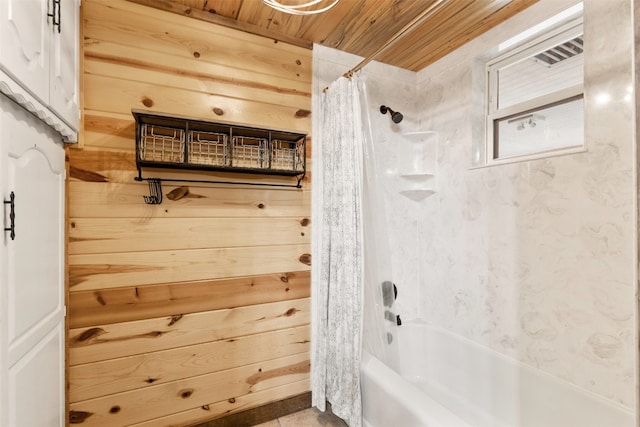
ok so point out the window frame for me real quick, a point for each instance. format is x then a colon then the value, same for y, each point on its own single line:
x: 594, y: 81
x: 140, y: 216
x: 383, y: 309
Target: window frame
x: 493, y: 113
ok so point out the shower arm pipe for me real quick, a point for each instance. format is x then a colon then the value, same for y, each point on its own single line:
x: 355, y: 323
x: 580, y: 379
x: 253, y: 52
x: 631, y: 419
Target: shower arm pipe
x: 432, y: 9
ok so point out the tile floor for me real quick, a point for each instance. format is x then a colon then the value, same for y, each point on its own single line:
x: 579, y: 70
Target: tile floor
x: 311, y: 417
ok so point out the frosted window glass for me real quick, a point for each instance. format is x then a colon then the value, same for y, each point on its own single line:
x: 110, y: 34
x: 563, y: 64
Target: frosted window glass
x: 548, y: 128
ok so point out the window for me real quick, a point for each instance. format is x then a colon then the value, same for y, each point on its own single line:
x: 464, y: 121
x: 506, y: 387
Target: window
x: 535, y: 98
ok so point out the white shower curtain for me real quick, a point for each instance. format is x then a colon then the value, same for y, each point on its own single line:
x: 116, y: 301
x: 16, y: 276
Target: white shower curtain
x: 338, y: 271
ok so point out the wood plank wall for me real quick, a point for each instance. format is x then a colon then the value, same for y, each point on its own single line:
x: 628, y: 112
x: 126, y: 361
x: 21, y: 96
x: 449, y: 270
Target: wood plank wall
x: 198, y: 307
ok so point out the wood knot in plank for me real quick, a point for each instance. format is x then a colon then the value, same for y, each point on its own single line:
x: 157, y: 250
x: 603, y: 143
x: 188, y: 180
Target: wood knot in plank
x: 305, y: 259
x: 178, y: 193
x: 303, y: 113
x: 295, y: 369
x: 291, y: 312
x: 305, y: 222
x: 147, y: 102
x: 284, y: 278
x: 196, y: 54
x: 151, y: 380
x: 261, y: 205
x: 206, y: 407
x: 218, y: 111
x: 114, y: 409
x: 85, y: 175
x: 78, y: 417
x: 232, y: 400
x: 182, y: 192
x: 86, y: 336
x: 99, y: 298
x: 185, y: 393
x: 174, y: 319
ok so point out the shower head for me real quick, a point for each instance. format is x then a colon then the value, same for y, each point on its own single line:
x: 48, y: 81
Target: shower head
x: 396, y: 116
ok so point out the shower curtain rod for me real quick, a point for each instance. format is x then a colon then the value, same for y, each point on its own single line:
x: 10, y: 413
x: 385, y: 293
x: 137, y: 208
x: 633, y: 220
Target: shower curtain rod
x: 433, y: 8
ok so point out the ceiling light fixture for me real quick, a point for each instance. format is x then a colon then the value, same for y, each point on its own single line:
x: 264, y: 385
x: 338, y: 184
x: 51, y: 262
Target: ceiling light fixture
x: 299, y: 9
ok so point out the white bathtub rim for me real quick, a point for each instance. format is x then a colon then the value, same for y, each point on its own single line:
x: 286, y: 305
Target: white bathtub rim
x: 416, y: 322
x: 431, y: 412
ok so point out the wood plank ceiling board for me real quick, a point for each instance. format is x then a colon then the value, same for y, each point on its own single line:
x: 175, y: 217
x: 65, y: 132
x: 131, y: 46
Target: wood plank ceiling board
x: 448, y: 29
x: 227, y: 8
x: 361, y: 26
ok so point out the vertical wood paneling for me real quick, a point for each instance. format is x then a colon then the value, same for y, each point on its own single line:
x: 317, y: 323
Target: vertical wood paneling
x: 198, y: 307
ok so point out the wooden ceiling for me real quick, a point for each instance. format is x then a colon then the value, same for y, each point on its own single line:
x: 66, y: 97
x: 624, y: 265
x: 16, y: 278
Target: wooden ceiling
x: 360, y: 26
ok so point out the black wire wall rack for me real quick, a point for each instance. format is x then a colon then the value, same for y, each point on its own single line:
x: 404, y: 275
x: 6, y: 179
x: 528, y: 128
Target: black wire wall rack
x: 173, y: 142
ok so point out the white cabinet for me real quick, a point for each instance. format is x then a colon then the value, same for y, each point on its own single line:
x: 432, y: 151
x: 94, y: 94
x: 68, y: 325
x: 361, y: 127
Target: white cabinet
x: 39, y: 56
x: 25, y: 39
x: 32, y: 334
x: 65, y: 54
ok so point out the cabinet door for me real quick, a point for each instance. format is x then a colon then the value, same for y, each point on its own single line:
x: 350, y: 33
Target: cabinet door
x: 25, y: 39
x: 32, y: 279
x: 65, y: 54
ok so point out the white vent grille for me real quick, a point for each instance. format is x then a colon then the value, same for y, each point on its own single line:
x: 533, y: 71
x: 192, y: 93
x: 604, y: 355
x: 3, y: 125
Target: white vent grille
x: 561, y: 52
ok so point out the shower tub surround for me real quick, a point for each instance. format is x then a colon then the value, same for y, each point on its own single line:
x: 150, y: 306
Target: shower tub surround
x: 537, y: 259
x: 534, y: 262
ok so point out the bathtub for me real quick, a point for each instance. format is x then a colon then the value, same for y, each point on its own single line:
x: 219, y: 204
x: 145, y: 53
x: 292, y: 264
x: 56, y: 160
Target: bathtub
x: 448, y: 381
